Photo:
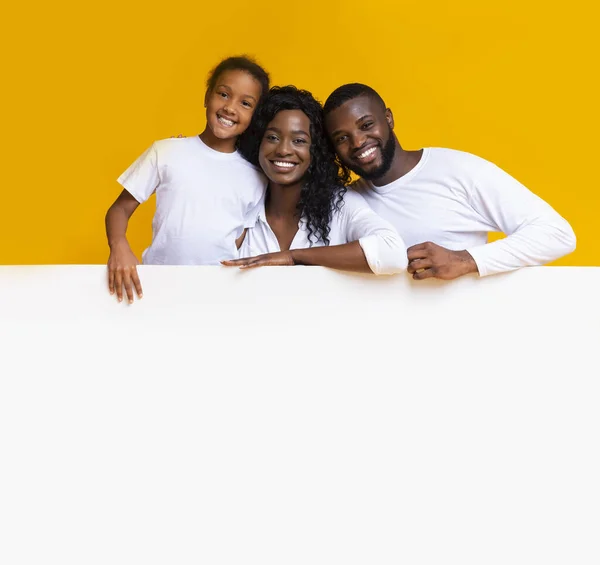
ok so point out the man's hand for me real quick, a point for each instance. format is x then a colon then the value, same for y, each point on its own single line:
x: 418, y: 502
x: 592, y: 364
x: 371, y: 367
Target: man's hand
x: 428, y: 260
x: 122, y: 272
x: 281, y: 258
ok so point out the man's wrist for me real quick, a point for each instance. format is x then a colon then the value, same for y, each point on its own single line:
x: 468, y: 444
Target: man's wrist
x: 467, y: 261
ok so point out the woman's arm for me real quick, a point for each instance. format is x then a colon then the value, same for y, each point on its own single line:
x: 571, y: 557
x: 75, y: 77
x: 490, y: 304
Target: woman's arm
x: 345, y: 257
x: 373, y: 245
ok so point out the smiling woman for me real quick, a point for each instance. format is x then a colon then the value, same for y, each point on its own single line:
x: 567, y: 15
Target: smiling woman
x: 307, y: 217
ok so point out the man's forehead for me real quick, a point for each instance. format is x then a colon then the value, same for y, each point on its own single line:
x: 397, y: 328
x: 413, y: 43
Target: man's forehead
x: 355, y: 109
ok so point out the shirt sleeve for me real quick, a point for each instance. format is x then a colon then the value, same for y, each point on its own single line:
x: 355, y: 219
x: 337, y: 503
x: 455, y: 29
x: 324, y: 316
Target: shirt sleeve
x: 383, y: 247
x: 535, y: 232
x: 142, y: 177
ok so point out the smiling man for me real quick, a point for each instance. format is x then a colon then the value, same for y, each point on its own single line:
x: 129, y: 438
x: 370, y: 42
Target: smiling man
x: 442, y: 202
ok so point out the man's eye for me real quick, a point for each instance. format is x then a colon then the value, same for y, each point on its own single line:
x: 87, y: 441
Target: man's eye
x: 367, y: 125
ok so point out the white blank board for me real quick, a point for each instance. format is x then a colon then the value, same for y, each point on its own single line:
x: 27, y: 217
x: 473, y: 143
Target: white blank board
x: 299, y: 416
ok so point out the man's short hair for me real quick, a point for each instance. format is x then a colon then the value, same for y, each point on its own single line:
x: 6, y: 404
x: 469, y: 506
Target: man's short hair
x: 347, y: 92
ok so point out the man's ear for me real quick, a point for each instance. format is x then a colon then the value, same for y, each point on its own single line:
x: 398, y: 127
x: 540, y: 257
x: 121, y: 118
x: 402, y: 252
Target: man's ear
x: 389, y: 117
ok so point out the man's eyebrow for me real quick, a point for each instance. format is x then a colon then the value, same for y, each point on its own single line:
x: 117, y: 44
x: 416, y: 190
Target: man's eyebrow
x: 362, y: 118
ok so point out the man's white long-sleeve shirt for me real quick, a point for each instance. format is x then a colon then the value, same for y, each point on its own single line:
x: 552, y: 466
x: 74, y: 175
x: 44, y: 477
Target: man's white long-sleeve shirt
x: 454, y: 199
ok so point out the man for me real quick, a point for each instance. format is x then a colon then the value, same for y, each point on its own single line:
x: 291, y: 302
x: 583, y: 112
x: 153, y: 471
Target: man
x: 442, y: 202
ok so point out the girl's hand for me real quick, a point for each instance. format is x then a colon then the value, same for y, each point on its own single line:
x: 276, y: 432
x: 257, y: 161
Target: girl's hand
x: 279, y: 259
x: 122, y: 272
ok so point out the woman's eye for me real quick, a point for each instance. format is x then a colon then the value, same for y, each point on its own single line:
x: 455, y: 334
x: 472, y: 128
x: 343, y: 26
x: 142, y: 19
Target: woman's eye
x: 271, y: 137
x: 299, y: 140
x: 341, y: 139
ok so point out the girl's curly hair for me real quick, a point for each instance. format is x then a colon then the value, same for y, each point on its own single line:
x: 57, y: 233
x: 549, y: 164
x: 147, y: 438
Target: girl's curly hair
x: 325, y: 183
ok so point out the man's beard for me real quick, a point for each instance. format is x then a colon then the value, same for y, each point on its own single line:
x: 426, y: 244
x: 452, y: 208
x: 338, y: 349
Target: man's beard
x: 387, y: 157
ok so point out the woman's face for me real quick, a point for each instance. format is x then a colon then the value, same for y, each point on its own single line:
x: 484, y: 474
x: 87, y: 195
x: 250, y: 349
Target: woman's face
x: 284, y: 153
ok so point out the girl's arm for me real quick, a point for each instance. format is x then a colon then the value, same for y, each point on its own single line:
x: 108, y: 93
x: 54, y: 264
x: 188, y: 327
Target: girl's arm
x: 122, y: 261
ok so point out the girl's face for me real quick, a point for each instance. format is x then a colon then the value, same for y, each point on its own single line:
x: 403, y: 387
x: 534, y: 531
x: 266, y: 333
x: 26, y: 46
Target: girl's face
x: 231, y: 103
x: 284, y: 153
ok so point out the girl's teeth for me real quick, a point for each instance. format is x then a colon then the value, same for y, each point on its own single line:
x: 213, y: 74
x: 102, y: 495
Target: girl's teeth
x: 282, y: 164
x: 225, y: 122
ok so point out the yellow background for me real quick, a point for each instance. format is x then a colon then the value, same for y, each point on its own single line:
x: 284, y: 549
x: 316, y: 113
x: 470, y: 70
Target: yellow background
x: 88, y: 88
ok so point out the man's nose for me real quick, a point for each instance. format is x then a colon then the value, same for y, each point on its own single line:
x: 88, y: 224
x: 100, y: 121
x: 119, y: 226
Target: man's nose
x: 358, y: 140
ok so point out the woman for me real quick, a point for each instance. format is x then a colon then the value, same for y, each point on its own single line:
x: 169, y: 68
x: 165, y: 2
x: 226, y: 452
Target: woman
x: 307, y: 217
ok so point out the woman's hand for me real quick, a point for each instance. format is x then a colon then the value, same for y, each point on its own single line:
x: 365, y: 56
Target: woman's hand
x: 279, y: 259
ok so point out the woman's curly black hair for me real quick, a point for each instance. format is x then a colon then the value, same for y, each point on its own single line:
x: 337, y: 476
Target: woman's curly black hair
x: 325, y: 181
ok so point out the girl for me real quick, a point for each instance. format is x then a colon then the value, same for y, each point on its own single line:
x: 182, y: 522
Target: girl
x: 204, y: 188
x: 306, y: 216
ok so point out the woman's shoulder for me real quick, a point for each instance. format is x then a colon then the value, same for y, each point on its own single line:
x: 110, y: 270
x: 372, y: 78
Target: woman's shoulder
x: 353, y: 200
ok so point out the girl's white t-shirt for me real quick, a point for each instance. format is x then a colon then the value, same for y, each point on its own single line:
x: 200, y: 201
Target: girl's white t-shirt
x: 202, y: 199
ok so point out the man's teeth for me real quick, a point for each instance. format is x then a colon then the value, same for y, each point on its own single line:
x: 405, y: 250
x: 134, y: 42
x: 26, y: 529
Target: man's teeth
x: 284, y: 164
x: 225, y: 121
x: 367, y: 153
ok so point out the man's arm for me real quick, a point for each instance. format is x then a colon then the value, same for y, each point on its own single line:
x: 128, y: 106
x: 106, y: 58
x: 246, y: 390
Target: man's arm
x: 535, y: 232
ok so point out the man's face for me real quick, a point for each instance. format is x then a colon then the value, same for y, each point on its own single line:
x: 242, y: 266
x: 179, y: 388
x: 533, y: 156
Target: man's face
x: 361, y: 132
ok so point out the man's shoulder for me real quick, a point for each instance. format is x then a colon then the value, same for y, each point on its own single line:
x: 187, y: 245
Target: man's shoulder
x: 455, y: 157
x: 361, y: 186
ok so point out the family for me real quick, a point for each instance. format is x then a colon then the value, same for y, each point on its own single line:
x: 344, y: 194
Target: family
x: 268, y: 182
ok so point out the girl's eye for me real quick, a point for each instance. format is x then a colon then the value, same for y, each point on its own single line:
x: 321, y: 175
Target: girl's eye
x: 223, y: 94
x: 246, y: 104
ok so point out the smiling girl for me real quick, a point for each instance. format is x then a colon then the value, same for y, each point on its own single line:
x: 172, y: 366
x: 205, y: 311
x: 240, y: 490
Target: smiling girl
x: 204, y: 188
x: 307, y: 217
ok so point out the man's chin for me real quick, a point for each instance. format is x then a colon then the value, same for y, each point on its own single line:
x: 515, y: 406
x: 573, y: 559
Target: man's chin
x: 368, y: 174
